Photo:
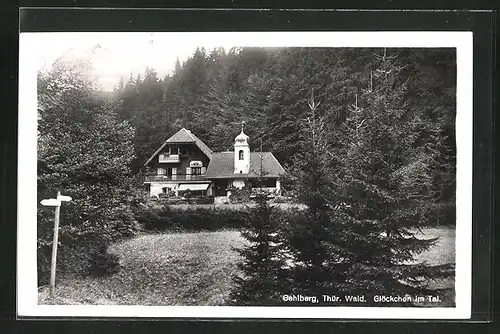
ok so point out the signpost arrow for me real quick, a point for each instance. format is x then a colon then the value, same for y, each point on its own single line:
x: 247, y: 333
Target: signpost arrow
x: 64, y: 198
x: 50, y: 202
x: 56, y: 202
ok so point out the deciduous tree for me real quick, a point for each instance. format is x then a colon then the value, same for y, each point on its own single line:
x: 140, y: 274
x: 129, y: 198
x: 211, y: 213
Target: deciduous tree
x: 84, y: 152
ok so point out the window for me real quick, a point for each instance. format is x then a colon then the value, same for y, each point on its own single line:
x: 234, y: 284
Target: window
x: 265, y: 183
x: 196, y: 170
x: 174, y: 150
x: 161, y: 171
x: 241, y: 155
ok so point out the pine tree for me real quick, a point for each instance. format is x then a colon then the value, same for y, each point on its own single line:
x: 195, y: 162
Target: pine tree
x: 263, y: 274
x: 149, y: 118
x: 432, y: 94
x: 386, y: 191
x: 311, y: 231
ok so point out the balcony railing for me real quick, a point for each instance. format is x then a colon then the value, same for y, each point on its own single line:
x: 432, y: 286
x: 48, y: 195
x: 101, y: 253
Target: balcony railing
x: 265, y: 189
x: 180, y: 177
x: 169, y: 158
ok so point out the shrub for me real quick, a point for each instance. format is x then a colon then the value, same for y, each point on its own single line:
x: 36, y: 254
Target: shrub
x: 146, y: 218
x: 240, y: 195
x: 43, y: 263
x: 74, y: 255
x: 191, y: 220
x: 103, y: 263
x: 200, y: 200
x: 283, y: 199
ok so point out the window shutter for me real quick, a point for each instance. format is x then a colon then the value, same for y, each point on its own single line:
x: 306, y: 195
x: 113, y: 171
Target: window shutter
x: 203, y: 170
x: 188, y: 170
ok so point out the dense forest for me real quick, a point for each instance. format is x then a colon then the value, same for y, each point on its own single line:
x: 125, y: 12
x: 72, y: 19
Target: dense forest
x: 268, y: 88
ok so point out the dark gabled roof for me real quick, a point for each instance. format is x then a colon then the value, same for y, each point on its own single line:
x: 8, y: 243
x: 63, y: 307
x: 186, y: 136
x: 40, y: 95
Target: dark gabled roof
x: 221, y: 166
x: 184, y: 136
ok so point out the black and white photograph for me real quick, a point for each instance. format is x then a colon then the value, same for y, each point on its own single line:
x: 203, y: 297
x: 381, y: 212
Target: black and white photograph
x: 245, y: 174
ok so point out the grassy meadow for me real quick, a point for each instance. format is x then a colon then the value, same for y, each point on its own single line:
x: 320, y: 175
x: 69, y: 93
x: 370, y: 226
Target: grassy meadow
x: 189, y: 269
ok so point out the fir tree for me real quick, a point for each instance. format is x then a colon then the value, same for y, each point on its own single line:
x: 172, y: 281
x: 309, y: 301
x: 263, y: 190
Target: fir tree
x: 386, y: 191
x: 262, y: 279
x: 311, y: 231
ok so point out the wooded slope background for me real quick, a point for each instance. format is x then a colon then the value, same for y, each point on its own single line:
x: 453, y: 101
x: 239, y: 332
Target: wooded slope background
x: 268, y: 88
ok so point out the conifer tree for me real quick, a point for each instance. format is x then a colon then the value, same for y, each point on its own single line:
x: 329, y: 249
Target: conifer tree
x: 311, y: 231
x: 386, y: 191
x: 262, y: 279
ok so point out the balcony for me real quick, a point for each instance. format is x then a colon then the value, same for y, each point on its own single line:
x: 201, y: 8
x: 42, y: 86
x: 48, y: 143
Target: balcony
x: 180, y: 177
x: 170, y: 158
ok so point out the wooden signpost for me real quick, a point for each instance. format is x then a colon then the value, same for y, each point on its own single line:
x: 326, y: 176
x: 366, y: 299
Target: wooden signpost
x: 56, y: 202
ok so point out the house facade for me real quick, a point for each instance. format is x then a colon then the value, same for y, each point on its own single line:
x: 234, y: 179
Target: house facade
x: 185, y: 163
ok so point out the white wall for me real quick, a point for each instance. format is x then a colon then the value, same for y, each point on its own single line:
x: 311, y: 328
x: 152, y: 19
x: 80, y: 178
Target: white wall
x: 241, y: 166
x: 157, y: 187
x: 238, y: 183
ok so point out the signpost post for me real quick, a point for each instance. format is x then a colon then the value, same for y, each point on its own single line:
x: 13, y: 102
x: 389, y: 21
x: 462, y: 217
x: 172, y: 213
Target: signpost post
x: 57, y: 203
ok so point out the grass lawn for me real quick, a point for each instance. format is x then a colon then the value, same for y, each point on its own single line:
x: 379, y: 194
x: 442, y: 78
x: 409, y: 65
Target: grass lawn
x: 187, y: 269
x: 160, y: 269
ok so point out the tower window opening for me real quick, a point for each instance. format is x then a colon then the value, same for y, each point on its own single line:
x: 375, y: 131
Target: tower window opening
x: 241, y: 155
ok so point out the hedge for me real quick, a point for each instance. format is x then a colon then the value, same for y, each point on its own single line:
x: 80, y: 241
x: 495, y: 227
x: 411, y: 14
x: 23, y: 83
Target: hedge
x: 191, y: 220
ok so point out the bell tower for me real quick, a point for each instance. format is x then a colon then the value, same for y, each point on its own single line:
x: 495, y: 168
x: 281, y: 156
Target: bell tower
x: 241, y: 153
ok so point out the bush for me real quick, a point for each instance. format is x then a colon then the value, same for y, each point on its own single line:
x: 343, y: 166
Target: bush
x: 240, y: 195
x: 191, y: 220
x: 43, y: 263
x: 75, y: 254
x: 103, y: 263
x: 202, y: 200
x: 283, y: 199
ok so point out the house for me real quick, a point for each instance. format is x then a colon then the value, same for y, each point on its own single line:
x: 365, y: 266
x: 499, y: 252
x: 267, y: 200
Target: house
x: 184, y: 162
